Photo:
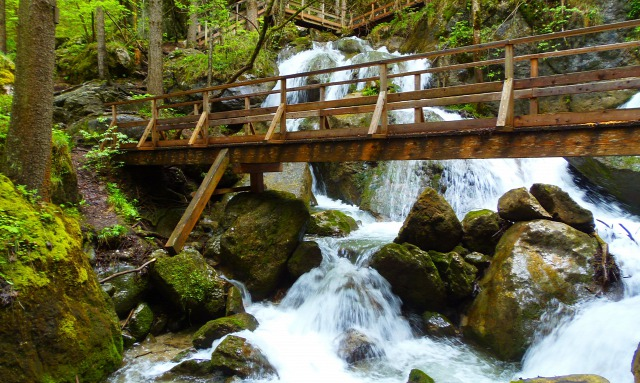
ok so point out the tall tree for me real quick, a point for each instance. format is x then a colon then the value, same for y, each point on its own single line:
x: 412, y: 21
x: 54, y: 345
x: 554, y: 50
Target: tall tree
x: 192, y: 31
x: 252, y: 15
x: 475, y: 22
x: 103, y: 70
x: 154, y: 78
x: 3, y: 27
x: 28, y: 143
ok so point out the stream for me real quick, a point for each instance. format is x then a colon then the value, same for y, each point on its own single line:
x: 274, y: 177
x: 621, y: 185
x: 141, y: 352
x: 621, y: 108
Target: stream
x: 300, y: 335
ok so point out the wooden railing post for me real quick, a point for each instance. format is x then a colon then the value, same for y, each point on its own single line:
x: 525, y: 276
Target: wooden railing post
x: 533, y: 102
x: 506, y: 111
x: 283, y: 103
x: 206, y: 109
x: 384, y: 121
x: 324, y: 123
x: 155, y: 136
x: 418, y: 113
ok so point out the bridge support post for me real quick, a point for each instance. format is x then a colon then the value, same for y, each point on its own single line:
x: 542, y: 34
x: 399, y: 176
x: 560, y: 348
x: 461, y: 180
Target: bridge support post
x: 283, y: 104
x: 506, y: 111
x: 533, y: 103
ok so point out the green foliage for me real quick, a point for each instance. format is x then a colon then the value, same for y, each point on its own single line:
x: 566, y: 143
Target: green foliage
x: 403, y: 23
x: 461, y: 34
x: 102, y: 160
x: 5, y: 117
x: 77, y: 61
x: 7, y: 69
x: 122, y: 205
x: 634, y: 9
x: 111, y: 234
x: 77, y: 17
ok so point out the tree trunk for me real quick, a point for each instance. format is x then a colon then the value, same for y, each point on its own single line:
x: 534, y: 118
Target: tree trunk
x: 154, y: 77
x: 192, y: 32
x: 3, y: 26
x: 252, y: 15
x: 475, y: 20
x: 28, y: 144
x: 103, y: 69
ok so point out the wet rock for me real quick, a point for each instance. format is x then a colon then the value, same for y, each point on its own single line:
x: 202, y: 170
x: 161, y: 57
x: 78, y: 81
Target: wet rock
x: 432, y: 224
x: 417, y: 376
x: 458, y: 276
x: 354, y: 346
x: 261, y: 232
x: 562, y: 207
x: 519, y: 205
x: 235, y: 305
x: 306, y: 257
x: 537, y: 264
x: 481, y: 231
x: 85, y: 100
x: 635, y: 365
x: 191, y: 368
x: 140, y: 322
x: 331, y: 223
x: 235, y: 356
x: 190, y: 285
x: 479, y: 260
x: 129, y: 290
x: 343, y: 180
x: 436, y: 324
x: 349, y: 45
x: 216, y: 329
x: 566, y: 379
x: 412, y: 274
x: 294, y: 178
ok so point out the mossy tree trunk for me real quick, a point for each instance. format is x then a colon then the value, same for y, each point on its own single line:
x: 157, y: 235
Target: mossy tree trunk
x: 103, y: 70
x: 3, y: 27
x: 192, y: 31
x: 28, y: 144
x: 252, y: 15
x: 154, y: 77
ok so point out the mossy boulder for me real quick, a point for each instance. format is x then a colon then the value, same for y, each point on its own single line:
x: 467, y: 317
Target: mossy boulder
x: 458, y: 275
x: 56, y: 323
x: 190, y: 285
x: 294, y: 178
x: 479, y: 260
x: 331, y: 223
x: 566, y: 379
x: 431, y: 224
x: 481, y: 231
x: 412, y: 274
x: 234, y: 356
x: 188, y: 370
x: 418, y: 376
x: 260, y: 234
x: 129, y: 289
x: 617, y: 175
x: 436, y: 324
x: 536, y: 264
x: 141, y: 321
x: 562, y: 207
x: 306, y: 257
x: 344, y: 180
x: 220, y: 327
x: 235, y: 304
x: 519, y: 205
x: 64, y: 179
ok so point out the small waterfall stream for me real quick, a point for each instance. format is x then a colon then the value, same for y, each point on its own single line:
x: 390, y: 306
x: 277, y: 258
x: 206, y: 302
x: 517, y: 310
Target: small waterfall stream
x: 300, y: 335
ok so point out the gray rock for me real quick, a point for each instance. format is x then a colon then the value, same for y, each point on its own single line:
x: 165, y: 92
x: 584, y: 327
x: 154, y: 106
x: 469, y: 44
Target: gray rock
x: 436, y: 324
x: 481, y: 231
x: 562, y: 207
x: 216, y: 329
x: 331, y: 223
x: 234, y: 356
x: 519, y: 205
x: 306, y: 257
x: 354, y: 346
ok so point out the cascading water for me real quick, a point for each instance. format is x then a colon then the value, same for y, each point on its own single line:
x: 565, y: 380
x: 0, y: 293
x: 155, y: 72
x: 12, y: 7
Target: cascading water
x: 301, y: 335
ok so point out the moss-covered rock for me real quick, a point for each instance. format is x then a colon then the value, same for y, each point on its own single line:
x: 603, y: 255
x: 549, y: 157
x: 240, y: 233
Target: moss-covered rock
x: 141, y: 321
x: 479, y: 260
x: 220, y: 327
x: 260, y: 234
x: 566, y: 379
x: 294, y: 178
x: 64, y: 179
x: 56, y: 323
x: 188, y: 370
x: 344, y: 180
x: 235, y: 304
x: 458, y: 276
x: 562, y: 207
x: 536, y: 264
x: 412, y: 275
x: 234, y: 356
x: 417, y: 376
x: 431, y: 224
x: 519, y: 205
x: 306, y: 257
x: 190, y: 285
x: 436, y: 324
x: 481, y: 231
x: 332, y: 223
x: 129, y: 289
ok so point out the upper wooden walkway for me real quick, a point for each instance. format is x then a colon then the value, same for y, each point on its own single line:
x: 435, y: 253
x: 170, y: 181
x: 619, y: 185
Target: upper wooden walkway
x: 196, y: 138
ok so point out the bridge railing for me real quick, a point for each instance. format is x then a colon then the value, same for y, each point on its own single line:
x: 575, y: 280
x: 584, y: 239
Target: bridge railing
x: 206, y: 120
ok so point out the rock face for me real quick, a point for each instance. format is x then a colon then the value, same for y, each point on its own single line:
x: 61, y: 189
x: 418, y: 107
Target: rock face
x: 354, y: 346
x: 332, y: 223
x: 294, y: 178
x: 617, y: 175
x: 481, y: 231
x: 261, y: 232
x: 432, y: 224
x: 191, y: 286
x: 535, y: 263
x: 562, y: 207
x: 566, y: 379
x: 220, y: 327
x: 412, y: 275
x: 86, y: 100
x: 306, y: 256
x: 520, y: 205
x: 55, y: 321
x: 236, y: 357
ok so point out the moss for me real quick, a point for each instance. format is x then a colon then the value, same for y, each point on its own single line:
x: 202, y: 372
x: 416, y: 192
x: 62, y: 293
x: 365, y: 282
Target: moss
x: 331, y: 223
x: 220, y: 327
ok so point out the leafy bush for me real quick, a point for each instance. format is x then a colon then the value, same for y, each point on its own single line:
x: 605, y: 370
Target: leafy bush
x: 122, y: 205
x: 634, y: 9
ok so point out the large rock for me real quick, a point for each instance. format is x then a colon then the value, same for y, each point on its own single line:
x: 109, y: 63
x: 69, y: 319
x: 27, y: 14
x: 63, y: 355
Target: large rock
x: 140, y: 323
x: 129, y: 290
x: 458, y: 275
x: 432, y: 224
x: 412, y: 275
x: 536, y: 264
x: 566, y: 379
x: 217, y: 328
x: 294, y: 178
x: 562, y: 207
x: 56, y: 323
x: 343, y: 180
x: 191, y: 286
x: 481, y: 231
x: 331, y: 223
x: 617, y: 175
x: 354, y: 346
x: 436, y: 324
x: 306, y: 257
x: 234, y: 356
x: 261, y: 232
x: 635, y: 365
x: 418, y: 376
x: 86, y: 100
x: 519, y: 205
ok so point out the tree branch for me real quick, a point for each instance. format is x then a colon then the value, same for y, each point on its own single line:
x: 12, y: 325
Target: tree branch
x: 127, y: 271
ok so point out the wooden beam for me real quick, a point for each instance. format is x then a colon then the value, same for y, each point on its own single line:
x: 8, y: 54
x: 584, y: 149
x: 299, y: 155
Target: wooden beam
x: 201, y: 122
x: 274, y: 123
x: 239, y: 189
x: 257, y: 182
x: 196, y: 206
x: 146, y: 132
x: 273, y: 167
x: 507, y: 101
x: 378, y: 112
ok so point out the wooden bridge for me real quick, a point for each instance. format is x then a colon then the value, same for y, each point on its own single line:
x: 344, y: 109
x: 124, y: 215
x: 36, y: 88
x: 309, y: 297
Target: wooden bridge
x: 196, y: 138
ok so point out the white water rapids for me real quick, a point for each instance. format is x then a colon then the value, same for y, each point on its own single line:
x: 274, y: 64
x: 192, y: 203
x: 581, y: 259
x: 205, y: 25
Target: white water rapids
x: 300, y: 335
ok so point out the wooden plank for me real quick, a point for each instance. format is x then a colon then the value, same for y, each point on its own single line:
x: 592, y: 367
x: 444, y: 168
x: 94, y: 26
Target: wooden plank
x: 146, y: 132
x: 505, y: 112
x: 351, y: 101
x: 196, y: 131
x: 239, y: 189
x: 270, y: 167
x: 131, y: 124
x: 274, y: 123
x: 567, y: 119
x: 242, y: 113
x: 377, y: 113
x: 578, y: 78
x: 196, y: 206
